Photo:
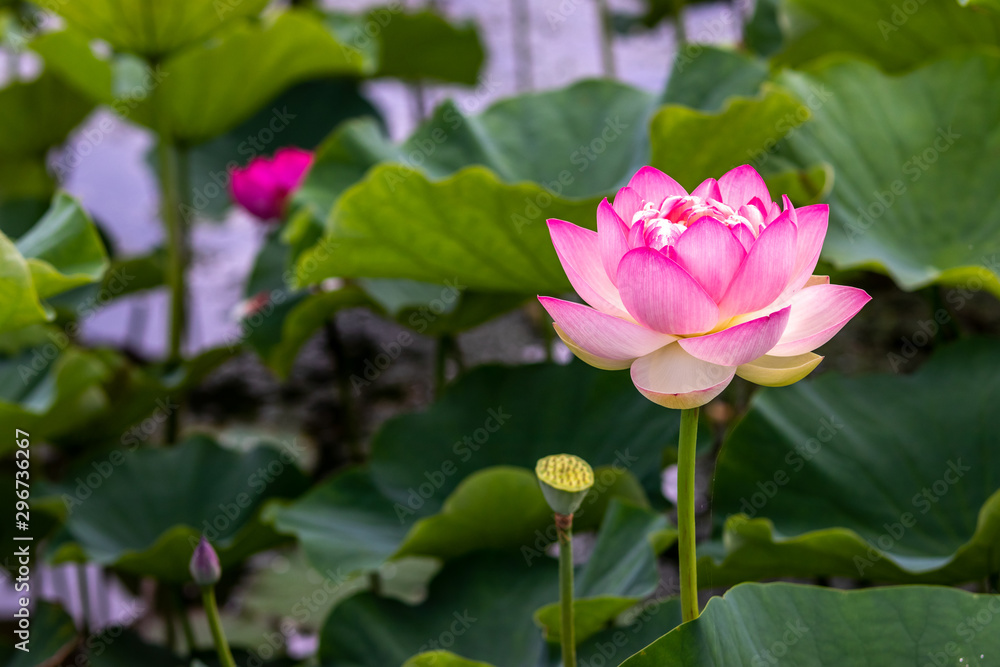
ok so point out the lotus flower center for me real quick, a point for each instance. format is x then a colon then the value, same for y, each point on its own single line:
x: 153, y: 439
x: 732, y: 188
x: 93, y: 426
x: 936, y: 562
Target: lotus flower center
x: 660, y: 226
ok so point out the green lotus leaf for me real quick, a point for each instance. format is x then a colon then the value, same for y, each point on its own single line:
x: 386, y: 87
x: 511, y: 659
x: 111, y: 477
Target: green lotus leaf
x: 59, y: 252
x: 63, y: 249
x: 36, y: 115
x: 858, y: 478
x: 442, y: 659
x: 478, y: 608
x: 688, y: 145
x: 143, y: 510
x: 201, y: 92
x: 437, y: 479
x: 823, y: 627
x: 414, y: 45
x: 314, y: 108
x: 154, y: 29
x: 705, y: 77
x: 896, y: 35
x: 915, y: 160
x: 432, y: 181
x: 621, y: 570
x: 50, y: 393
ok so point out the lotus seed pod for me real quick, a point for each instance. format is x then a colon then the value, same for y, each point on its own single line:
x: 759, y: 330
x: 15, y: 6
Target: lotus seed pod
x: 205, y: 568
x: 565, y: 480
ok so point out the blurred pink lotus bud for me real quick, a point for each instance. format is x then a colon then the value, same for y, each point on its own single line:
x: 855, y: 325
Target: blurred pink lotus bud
x: 689, y: 290
x: 263, y: 186
x: 205, y: 568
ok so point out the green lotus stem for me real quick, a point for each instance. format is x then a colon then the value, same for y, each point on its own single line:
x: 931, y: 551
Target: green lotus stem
x: 685, y: 514
x: 447, y: 347
x: 215, y: 624
x: 171, y: 165
x: 185, y: 623
x: 681, y: 32
x: 84, y: 586
x: 607, y: 39
x: 564, y: 526
x: 335, y: 345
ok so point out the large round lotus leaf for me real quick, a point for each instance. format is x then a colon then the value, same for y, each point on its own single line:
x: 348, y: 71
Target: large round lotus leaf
x: 60, y: 251
x: 457, y: 477
x: 347, y: 525
x: 895, y: 34
x: 515, y: 416
x: 806, y: 626
x: 478, y: 609
x: 573, y: 143
x: 916, y: 166
x: 424, y: 45
x: 621, y: 570
x: 144, y: 510
x: 154, y: 28
x: 884, y: 477
x: 202, y: 91
x: 36, y: 115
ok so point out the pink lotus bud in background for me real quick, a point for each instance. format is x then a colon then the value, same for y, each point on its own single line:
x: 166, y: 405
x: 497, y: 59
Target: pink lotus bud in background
x: 263, y: 186
x: 689, y: 290
x: 205, y: 568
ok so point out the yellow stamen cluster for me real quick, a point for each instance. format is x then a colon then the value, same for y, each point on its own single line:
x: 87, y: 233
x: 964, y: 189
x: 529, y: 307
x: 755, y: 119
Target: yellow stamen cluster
x: 565, y: 472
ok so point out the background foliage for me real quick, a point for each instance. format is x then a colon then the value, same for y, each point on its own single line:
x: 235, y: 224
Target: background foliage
x: 404, y: 526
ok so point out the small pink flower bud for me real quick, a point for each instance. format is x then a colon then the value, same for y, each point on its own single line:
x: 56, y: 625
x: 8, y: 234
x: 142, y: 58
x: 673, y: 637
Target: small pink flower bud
x: 205, y: 568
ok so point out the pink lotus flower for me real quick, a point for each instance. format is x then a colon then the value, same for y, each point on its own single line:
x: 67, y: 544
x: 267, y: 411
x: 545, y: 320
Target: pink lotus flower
x: 263, y: 186
x: 691, y: 289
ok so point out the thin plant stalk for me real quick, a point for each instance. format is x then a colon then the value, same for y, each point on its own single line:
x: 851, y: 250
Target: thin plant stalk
x: 84, y: 588
x: 680, y: 30
x: 564, y: 527
x: 215, y: 624
x: 335, y: 346
x: 171, y: 165
x: 185, y: 623
x: 685, y: 514
x: 607, y: 39
x: 447, y: 348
